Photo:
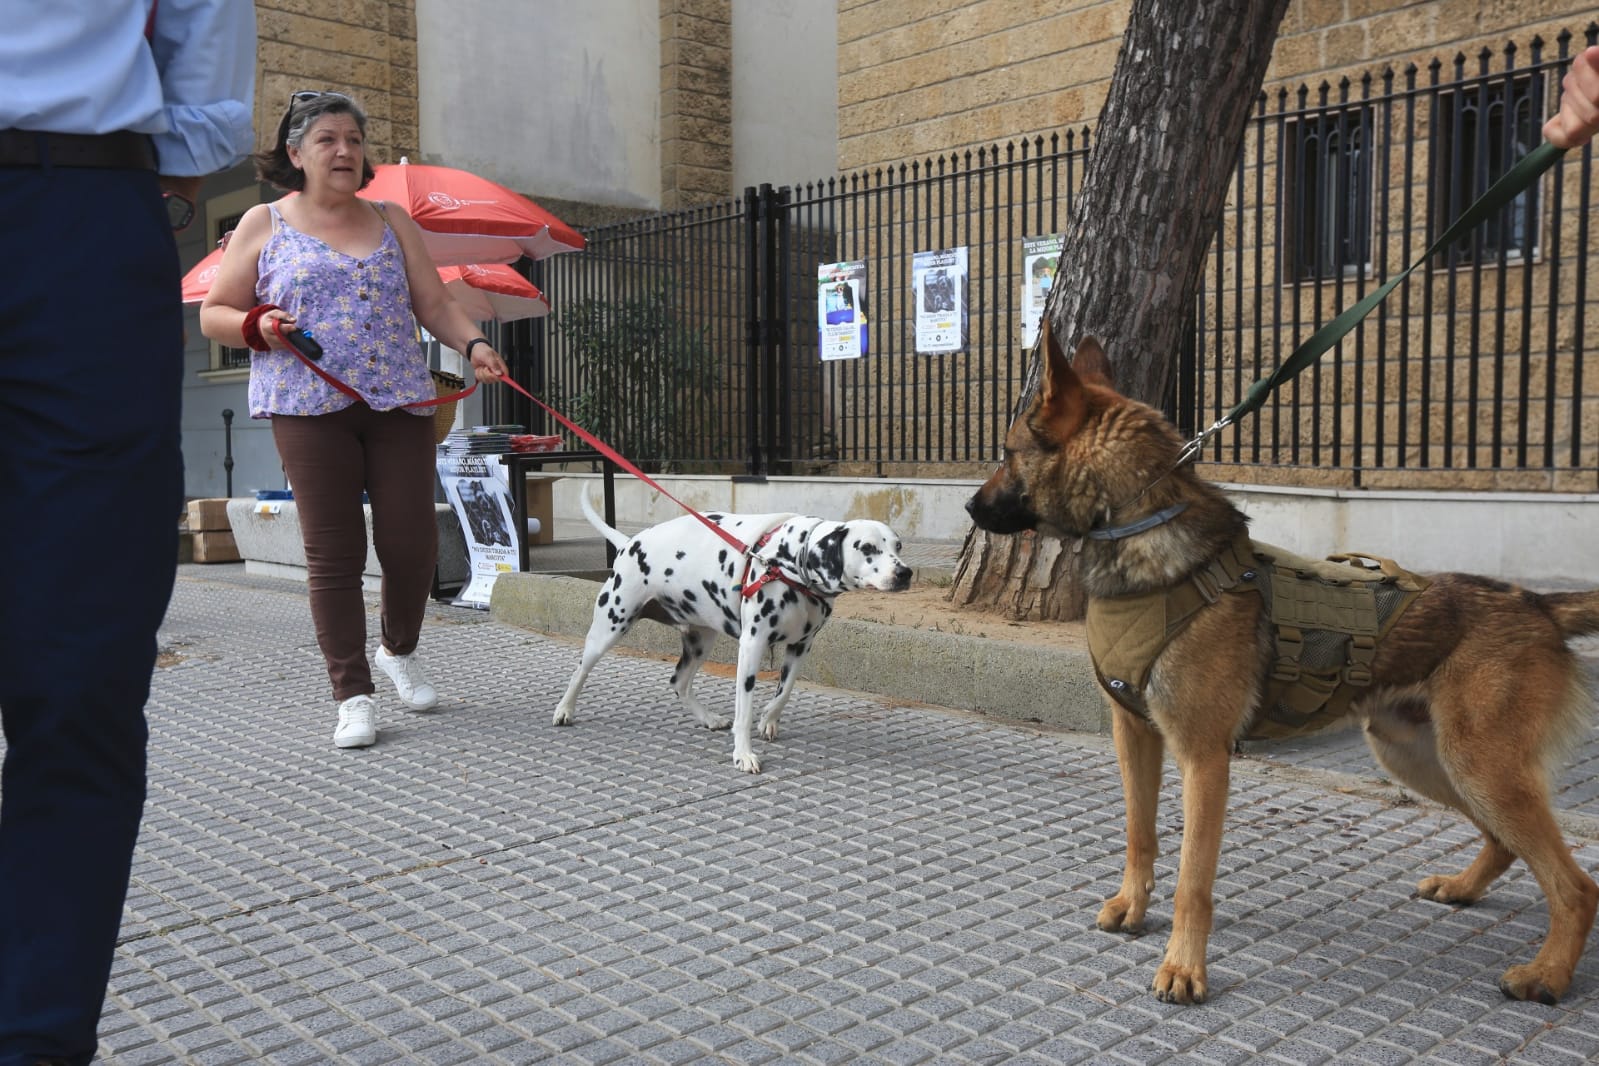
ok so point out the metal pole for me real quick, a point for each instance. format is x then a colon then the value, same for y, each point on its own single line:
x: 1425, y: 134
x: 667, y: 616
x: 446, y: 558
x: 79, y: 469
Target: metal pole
x: 227, y: 446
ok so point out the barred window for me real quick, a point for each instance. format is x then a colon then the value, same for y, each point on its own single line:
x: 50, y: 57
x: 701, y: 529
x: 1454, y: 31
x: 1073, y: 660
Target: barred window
x: 223, y: 357
x: 1327, y: 192
x: 1480, y: 133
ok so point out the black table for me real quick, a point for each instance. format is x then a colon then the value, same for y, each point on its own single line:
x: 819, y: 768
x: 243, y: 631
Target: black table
x: 517, y: 465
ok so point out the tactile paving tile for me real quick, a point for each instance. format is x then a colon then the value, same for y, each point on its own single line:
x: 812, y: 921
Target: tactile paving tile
x: 902, y: 884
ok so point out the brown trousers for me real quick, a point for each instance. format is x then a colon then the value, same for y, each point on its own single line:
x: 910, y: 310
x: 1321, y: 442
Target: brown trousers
x: 330, y: 459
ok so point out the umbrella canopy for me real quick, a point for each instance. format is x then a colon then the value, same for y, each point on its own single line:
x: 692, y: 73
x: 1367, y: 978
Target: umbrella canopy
x: 467, y: 219
x: 197, y: 282
x: 488, y: 292
x: 494, y: 291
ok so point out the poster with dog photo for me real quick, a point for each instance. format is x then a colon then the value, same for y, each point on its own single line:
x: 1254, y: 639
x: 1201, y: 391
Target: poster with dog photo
x: 478, y: 489
x: 938, y: 292
x: 1040, y: 261
x: 841, y: 310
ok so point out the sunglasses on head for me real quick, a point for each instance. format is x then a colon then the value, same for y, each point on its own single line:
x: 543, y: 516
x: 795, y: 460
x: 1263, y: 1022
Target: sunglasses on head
x: 312, y: 94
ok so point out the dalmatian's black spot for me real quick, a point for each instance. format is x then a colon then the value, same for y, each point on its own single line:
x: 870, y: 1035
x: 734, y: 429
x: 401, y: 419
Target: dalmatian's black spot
x: 749, y: 683
x: 682, y: 555
x: 688, y: 595
x: 605, y: 597
x: 667, y: 572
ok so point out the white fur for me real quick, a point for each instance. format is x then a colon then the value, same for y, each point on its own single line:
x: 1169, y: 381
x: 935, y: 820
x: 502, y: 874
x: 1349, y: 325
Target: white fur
x: 696, y: 577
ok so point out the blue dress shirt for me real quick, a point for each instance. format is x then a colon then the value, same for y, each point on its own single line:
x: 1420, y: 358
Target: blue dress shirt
x: 85, y: 66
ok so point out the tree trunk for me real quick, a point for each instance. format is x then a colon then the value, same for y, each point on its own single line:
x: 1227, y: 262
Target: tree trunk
x: 1165, y: 149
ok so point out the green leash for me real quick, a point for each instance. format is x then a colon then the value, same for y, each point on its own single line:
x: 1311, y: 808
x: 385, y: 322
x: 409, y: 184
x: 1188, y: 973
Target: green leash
x: 1502, y: 192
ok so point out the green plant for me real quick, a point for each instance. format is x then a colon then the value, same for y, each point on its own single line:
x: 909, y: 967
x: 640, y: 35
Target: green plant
x: 643, y: 375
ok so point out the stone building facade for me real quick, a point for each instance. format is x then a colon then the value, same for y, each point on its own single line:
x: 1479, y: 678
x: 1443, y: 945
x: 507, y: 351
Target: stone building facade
x: 917, y: 80
x: 1492, y: 365
x: 366, y: 48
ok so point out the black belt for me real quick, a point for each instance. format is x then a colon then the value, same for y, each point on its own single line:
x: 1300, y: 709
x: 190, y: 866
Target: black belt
x: 32, y: 148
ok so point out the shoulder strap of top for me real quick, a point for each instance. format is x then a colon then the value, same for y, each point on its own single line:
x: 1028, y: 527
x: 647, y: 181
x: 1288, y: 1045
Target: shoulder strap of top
x: 277, y: 219
x: 382, y: 209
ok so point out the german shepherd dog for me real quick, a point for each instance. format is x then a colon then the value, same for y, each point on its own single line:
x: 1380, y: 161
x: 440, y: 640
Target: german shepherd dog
x: 1475, y: 696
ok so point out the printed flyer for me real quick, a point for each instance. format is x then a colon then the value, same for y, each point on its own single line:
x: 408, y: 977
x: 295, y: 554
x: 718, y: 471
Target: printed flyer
x: 841, y: 309
x: 479, y: 490
x: 1040, y: 262
x: 938, y: 292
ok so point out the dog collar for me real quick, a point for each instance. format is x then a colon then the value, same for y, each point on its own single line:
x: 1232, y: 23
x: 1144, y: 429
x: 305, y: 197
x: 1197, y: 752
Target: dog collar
x: 1159, y: 518
x: 773, y: 572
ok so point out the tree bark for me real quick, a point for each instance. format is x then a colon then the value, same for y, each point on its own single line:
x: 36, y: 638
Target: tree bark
x: 1164, y: 152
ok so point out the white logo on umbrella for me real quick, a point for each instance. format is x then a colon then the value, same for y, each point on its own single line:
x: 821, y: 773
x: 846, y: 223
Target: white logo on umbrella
x: 445, y: 202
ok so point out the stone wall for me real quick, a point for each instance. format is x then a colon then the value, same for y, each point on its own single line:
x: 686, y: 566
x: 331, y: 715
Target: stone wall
x: 696, y: 102
x: 366, y: 48
x: 917, y: 80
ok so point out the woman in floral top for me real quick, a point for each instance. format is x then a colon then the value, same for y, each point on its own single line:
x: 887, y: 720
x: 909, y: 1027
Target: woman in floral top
x: 354, y: 274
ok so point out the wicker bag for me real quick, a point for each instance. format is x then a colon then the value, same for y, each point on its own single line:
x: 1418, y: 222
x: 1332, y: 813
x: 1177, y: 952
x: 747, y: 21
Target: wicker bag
x: 444, y: 413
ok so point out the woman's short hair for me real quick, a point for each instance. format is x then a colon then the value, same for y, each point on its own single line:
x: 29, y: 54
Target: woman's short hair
x: 305, y: 108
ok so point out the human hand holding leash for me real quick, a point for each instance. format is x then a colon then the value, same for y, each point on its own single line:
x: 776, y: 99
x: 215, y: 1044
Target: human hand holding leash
x: 487, y: 366
x: 1578, y: 118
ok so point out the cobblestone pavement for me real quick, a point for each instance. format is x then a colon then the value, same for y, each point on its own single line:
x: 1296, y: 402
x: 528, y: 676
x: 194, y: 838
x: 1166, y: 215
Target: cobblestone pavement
x: 903, y: 884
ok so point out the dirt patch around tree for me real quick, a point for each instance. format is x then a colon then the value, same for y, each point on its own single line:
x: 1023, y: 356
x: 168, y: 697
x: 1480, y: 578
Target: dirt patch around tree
x: 926, y: 605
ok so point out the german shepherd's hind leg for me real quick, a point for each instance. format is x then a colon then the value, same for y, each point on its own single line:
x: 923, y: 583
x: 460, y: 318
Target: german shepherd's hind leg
x: 1399, y: 731
x: 1494, y: 744
x: 1139, y: 751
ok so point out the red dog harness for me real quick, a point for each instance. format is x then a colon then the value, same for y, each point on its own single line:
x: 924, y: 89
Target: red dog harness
x: 773, y: 572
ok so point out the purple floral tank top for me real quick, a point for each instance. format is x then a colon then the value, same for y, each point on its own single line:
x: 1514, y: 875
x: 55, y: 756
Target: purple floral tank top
x: 360, y: 312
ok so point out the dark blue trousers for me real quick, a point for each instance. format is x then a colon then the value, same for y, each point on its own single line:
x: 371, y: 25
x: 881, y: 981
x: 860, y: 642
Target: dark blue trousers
x: 91, y: 484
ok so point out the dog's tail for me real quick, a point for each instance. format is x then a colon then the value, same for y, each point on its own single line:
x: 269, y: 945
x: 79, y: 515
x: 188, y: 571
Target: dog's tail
x: 1576, y: 613
x: 617, y: 538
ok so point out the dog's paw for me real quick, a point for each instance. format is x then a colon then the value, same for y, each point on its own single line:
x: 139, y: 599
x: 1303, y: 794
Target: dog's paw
x: 562, y: 716
x: 1180, y: 984
x: 1533, y: 982
x: 1121, y: 915
x: 1454, y: 890
x: 768, y: 728
x: 714, y: 721
x: 750, y: 763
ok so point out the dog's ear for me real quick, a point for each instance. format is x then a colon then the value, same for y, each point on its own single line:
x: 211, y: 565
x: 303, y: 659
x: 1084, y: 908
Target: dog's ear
x: 1061, y: 400
x: 1092, y: 364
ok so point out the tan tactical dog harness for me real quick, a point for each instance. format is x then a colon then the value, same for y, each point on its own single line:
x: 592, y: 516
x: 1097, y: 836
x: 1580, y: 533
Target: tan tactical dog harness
x: 1328, y: 615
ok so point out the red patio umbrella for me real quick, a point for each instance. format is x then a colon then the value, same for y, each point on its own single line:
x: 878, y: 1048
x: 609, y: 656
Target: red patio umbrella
x: 494, y: 291
x: 197, y: 282
x: 490, y: 291
x: 468, y: 219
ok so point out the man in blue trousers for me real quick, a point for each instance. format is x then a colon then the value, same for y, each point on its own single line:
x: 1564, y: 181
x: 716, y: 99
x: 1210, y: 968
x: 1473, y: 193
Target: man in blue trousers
x: 110, y: 113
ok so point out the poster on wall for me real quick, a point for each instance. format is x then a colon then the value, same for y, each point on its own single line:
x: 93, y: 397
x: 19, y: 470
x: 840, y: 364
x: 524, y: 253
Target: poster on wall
x: 841, y: 309
x: 1040, y: 263
x: 478, y: 489
x: 938, y: 292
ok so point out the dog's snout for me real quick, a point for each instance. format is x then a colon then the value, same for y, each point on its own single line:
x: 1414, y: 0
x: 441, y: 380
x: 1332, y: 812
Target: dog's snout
x: 902, y: 577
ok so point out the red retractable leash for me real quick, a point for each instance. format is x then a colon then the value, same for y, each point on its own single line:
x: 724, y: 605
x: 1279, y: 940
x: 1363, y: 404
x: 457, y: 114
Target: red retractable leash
x: 309, y: 353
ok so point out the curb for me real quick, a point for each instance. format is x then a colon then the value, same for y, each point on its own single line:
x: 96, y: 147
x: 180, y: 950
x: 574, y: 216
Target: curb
x: 1020, y: 682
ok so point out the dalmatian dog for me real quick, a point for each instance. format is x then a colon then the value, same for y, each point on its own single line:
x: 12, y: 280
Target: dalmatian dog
x: 688, y: 576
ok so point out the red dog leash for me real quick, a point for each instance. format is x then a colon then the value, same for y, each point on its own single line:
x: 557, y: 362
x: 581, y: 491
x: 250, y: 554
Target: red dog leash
x: 604, y: 449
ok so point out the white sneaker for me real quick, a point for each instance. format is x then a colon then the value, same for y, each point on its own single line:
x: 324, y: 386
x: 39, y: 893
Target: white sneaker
x: 406, y: 673
x: 358, y: 723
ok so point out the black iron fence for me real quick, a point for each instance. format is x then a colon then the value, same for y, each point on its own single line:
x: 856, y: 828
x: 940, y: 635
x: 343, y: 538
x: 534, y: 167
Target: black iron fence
x: 692, y: 340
